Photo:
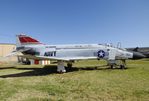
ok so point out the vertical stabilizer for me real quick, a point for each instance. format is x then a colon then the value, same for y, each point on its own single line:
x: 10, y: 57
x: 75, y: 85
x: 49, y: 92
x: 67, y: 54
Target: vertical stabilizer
x: 25, y: 40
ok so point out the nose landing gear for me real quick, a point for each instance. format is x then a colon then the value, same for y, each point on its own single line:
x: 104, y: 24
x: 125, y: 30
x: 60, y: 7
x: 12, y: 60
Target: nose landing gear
x: 115, y: 63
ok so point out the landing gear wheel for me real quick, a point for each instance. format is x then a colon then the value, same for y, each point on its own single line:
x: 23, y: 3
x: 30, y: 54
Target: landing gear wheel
x: 111, y: 66
x: 69, y: 65
x: 122, y: 67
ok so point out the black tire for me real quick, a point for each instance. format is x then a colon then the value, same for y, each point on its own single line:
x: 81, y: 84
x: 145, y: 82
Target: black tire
x: 122, y: 67
x: 111, y: 66
x: 69, y: 65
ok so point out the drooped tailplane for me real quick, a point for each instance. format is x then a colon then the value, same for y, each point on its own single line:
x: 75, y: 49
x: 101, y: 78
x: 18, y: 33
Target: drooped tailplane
x: 25, y: 40
x: 136, y: 49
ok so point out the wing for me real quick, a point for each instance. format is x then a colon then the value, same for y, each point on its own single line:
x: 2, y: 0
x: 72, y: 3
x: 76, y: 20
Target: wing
x: 56, y: 58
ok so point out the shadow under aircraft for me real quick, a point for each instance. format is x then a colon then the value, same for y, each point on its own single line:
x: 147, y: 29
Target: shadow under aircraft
x: 47, y: 70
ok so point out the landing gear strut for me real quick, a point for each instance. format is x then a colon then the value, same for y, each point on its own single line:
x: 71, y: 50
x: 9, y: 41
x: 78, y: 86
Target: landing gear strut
x: 115, y: 63
x: 60, y: 67
x: 123, y: 65
x: 69, y: 65
x: 111, y: 66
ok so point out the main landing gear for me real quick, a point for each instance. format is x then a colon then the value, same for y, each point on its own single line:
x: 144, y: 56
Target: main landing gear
x: 69, y: 64
x: 60, y: 67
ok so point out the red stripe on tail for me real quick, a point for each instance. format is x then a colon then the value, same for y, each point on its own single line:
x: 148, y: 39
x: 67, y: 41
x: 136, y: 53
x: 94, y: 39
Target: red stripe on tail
x: 26, y: 39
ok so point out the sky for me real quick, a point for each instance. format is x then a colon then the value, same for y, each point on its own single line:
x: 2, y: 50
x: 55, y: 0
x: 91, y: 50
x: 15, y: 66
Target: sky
x: 76, y: 21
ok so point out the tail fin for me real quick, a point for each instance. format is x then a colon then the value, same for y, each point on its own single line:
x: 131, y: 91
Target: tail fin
x: 26, y: 40
x: 136, y: 49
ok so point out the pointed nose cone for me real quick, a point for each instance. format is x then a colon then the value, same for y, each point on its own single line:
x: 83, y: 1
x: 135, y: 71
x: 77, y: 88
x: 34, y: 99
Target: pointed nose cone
x: 137, y: 55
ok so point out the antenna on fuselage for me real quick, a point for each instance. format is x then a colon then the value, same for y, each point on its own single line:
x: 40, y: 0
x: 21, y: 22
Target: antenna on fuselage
x: 119, y: 45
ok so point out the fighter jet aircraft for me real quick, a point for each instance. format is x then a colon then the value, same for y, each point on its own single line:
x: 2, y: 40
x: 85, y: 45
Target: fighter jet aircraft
x: 33, y: 49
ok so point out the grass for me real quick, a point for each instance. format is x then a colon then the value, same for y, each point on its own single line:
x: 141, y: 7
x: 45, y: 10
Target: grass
x: 87, y: 81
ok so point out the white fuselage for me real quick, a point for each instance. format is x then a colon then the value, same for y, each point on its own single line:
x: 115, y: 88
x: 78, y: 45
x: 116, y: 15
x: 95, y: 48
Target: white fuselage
x: 81, y: 50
